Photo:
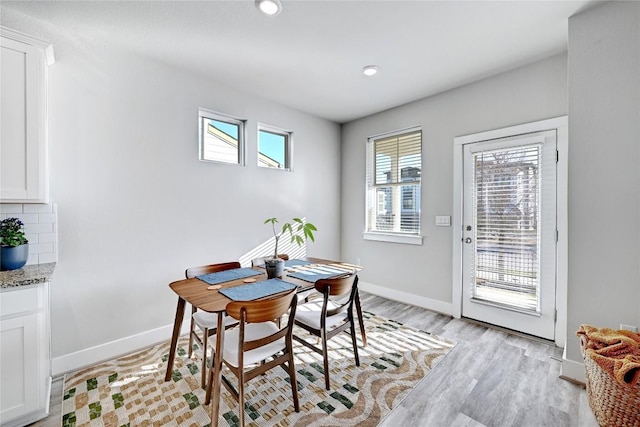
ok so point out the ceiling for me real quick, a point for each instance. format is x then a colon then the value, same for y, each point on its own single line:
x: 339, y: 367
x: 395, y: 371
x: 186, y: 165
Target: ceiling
x: 310, y: 57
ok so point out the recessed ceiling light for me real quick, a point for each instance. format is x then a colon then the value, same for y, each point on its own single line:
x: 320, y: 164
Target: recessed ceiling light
x: 269, y: 7
x: 370, y: 70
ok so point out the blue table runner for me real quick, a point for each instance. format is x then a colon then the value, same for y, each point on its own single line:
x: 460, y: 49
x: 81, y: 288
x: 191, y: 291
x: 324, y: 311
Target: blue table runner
x: 317, y: 272
x: 228, y: 275
x: 256, y: 290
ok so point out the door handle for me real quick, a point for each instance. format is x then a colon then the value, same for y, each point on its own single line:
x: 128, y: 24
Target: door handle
x: 467, y: 240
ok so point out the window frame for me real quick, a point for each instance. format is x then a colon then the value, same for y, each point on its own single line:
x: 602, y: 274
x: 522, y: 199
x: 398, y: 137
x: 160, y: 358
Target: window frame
x: 288, y: 149
x: 371, y: 196
x: 203, y: 114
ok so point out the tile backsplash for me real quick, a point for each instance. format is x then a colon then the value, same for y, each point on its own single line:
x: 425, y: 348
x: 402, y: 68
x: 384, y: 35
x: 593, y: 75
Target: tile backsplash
x: 40, y: 227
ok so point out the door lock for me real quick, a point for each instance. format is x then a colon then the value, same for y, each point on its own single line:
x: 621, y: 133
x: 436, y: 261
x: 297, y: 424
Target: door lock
x: 468, y: 228
x: 467, y: 240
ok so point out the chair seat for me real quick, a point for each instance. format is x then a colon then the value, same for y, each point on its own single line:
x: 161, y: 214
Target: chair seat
x: 253, y: 331
x: 210, y: 320
x: 309, y: 314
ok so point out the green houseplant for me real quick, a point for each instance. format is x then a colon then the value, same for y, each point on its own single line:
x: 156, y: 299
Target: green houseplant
x: 298, y: 230
x: 14, y: 245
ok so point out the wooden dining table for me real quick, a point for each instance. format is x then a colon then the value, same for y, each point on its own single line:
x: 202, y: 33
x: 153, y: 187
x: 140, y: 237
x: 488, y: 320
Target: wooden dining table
x: 197, y: 293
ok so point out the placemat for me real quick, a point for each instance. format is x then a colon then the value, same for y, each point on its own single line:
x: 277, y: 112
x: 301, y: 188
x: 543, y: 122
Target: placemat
x: 257, y: 290
x: 317, y: 272
x: 295, y: 262
x: 228, y: 275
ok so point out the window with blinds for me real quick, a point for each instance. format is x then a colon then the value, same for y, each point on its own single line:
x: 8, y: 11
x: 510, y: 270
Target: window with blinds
x: 507, y: 213
x: 394, y: 172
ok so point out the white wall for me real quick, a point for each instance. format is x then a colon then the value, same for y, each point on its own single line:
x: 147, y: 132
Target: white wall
x: 604, y: 169
x: 423, y: 274
x: 136, y: 207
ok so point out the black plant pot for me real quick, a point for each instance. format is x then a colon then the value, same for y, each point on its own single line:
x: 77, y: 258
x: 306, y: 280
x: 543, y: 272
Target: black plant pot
x: 13, y: 257
x: 274, y: 267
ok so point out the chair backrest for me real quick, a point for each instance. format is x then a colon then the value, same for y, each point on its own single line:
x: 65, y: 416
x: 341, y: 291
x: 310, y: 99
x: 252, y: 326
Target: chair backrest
x: 265, y: 310
x: 338, y: 286
x: 212, y: 268
x: 260, y: 260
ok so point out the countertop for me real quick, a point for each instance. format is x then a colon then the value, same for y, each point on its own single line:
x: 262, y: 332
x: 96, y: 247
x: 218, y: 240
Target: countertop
x: 27, y: 275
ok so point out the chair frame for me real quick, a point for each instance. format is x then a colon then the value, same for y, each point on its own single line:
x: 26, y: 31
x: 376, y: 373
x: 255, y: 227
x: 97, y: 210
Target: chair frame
x: 333, y: 287
x: 206, y: 332
x: 260, y: 311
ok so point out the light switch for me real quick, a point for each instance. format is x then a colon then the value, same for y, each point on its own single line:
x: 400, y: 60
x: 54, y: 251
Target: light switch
x: 443, y: 221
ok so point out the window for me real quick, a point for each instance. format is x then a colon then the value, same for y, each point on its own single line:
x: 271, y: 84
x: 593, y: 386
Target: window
x: 274, y: 148
x: 221, y: 138
x: 394, y: 172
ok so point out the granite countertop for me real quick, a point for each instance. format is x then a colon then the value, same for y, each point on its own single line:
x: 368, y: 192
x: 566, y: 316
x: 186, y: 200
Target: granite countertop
x: 27, y: 275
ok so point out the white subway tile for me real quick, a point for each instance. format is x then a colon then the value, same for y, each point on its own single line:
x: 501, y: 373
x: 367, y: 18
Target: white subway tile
x: 33, y: 259
x: 33, y: 238
x: 45, y: 258
x: 37, y: 208
x: 55, y: 207
x: 40, y: 248
x: 46, y: 218
x: 38, y: 228
x: 10, y: 208
x: 46, y: 238
x: 27, y: 218
x: 3, y: 216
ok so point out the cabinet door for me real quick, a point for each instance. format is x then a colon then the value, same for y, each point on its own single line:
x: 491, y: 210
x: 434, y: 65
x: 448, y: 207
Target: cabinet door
x: 23, y: 130
x: 18, y: 367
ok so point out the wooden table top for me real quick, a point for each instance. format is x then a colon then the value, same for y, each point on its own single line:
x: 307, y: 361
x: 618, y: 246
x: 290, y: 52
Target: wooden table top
x: 196, y: 292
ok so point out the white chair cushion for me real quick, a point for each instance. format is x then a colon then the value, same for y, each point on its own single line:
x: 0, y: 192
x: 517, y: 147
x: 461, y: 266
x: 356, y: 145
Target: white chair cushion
x: 207, y: 320
x: 309, y: 314
x: 252, y: 331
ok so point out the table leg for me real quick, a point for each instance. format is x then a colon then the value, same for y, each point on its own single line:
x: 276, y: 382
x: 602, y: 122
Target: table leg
x: 177, y: 324
x: 360, y: 319
x: 215, y: 382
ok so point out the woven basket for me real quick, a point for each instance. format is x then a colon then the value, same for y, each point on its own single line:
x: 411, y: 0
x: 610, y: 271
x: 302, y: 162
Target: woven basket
x: 613, y: 404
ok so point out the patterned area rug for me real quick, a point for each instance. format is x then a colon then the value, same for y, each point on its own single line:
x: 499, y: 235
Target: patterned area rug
x: 131, y: 391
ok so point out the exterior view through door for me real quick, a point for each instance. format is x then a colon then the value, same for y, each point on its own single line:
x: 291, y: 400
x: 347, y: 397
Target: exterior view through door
x: 509, y: 232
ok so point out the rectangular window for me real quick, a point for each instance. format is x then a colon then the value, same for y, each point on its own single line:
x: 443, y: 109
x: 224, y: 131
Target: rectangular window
x: 274, y: 148
x: 221, y: 138
x: 394, y: 171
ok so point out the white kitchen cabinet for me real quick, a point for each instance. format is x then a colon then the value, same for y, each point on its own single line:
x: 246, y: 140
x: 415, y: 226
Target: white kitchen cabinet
x: 23, y: 134
x: 25, y: 363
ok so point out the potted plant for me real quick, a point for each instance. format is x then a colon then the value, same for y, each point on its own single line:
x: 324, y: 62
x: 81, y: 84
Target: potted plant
x: 13, y: 244
x: 299, y: 231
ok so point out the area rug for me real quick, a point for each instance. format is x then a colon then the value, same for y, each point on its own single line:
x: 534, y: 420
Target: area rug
x: 131, y: 391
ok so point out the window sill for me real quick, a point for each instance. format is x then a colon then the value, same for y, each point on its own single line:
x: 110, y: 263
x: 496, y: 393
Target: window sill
x: 409, y: 239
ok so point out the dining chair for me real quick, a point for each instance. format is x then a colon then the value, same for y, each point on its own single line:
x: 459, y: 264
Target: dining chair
x: 327, y: 318
x: 259, y: 262
x: 257, y: 340
x: 206, y: 322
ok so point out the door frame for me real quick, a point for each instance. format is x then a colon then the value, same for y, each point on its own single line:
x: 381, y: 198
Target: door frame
x: 561, y: 126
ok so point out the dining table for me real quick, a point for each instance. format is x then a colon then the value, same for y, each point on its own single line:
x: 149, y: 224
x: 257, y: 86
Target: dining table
x: 203, y: 296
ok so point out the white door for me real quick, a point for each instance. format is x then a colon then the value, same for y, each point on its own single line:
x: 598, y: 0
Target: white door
x: 509, y: 232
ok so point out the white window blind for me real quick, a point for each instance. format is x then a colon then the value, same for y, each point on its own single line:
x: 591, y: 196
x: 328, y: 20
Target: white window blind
x: 394, y: 172
x: 507, y: 213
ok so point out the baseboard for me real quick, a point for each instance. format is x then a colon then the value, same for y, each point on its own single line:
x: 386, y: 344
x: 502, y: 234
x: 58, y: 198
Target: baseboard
x: 572, y: 370
x: 90, y: 356
x: 407, y: 298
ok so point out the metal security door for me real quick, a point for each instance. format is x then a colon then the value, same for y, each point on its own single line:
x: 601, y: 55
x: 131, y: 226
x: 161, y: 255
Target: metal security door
x: 509, y: 233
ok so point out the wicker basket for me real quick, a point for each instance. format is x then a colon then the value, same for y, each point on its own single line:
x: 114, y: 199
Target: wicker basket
x: 613, y: 404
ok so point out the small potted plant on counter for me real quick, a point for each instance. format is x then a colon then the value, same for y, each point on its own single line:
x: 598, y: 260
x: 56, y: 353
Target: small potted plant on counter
x: 299, y: 231
x: 14, y: 246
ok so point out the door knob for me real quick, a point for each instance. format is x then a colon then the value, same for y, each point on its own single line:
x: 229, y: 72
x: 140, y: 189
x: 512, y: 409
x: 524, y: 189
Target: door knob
x: 467, y: 240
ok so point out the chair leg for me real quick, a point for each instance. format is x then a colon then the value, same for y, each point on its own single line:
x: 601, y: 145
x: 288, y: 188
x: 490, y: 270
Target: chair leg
x: 241, y: 394
x: 294, y: 381
x: 354, y: 342
x: 203, y: 377
x: 325, y: 356
x: 360, y: 319
x: 191, y: 331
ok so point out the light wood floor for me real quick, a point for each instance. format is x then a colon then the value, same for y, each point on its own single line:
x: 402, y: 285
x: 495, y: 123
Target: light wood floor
x: 490, y: 378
